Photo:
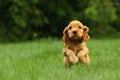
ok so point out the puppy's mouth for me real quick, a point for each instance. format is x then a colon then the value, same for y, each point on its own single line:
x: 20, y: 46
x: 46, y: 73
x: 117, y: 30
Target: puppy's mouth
x: 75, y: 36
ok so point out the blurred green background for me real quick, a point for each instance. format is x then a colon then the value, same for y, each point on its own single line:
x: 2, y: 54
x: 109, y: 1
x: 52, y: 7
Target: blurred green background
x: 22, y: 20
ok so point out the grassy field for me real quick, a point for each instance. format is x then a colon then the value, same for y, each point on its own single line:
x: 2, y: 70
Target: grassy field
x: 43, y: 60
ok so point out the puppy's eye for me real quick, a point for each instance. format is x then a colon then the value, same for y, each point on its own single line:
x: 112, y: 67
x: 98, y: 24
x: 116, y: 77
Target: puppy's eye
x: 80, y: 27
x: 70, y: 27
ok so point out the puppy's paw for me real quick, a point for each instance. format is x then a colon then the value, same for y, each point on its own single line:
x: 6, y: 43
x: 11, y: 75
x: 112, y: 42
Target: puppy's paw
x: 73, y: 59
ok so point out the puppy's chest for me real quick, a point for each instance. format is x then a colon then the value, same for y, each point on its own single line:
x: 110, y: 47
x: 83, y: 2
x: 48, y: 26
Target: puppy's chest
x: 75, y: 48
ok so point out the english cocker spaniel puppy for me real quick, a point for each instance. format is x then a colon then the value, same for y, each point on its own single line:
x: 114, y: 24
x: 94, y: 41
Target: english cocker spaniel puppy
x: 75, y: 36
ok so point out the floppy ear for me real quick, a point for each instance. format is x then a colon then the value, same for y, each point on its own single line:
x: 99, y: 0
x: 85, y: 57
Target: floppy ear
x: 65, y: 36
x: 85, y: 37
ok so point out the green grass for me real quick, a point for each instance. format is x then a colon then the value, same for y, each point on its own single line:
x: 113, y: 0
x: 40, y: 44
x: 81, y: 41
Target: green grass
x: 43, y: 60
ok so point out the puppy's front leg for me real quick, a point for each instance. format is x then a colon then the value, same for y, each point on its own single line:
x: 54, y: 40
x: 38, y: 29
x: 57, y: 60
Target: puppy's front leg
x: 83, y: 56
x: 72, y: 58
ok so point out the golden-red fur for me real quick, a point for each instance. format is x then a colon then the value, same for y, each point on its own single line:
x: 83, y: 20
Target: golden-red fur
x: 75, y: 50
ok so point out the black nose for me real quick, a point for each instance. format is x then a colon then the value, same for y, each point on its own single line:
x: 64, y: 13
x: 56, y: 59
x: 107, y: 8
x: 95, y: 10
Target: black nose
x: 74, y: 32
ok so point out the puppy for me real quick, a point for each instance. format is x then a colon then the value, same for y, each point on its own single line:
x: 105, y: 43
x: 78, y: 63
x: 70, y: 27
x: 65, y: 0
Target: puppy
x: 75, y: 36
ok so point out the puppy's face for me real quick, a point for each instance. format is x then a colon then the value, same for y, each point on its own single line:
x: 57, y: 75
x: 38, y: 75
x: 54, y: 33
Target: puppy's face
x: 75, y: 30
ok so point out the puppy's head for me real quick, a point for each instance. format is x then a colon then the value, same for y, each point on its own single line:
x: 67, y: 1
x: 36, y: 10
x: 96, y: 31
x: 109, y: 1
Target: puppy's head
x: 76, y: 31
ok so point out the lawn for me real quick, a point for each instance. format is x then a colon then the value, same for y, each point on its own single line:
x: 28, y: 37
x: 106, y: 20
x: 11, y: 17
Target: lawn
x: 43, y: 60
